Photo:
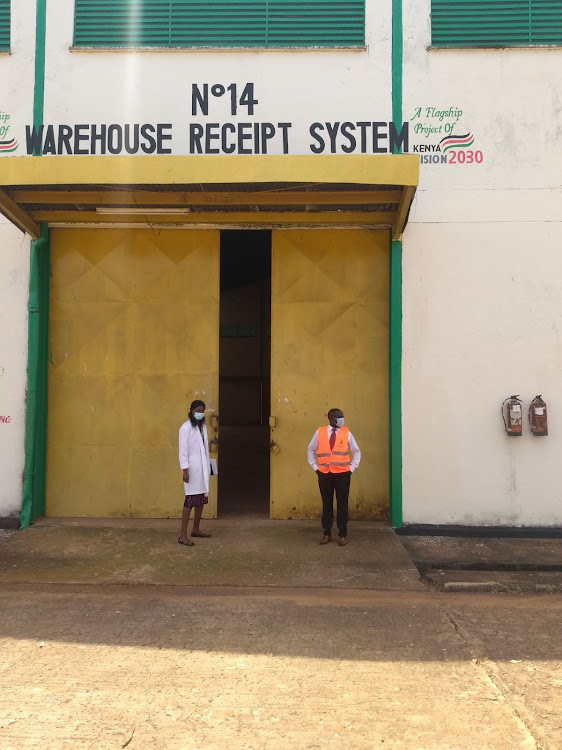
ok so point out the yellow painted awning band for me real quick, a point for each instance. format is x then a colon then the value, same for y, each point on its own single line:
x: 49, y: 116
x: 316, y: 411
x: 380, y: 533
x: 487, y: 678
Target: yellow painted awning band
x: 34, y: 189
x: 380, y: 169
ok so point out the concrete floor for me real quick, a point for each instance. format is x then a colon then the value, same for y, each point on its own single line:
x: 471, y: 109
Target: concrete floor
x: 189, y: 668
x: 532, y: 565
x: 241, y: 552
x: 114, y: 636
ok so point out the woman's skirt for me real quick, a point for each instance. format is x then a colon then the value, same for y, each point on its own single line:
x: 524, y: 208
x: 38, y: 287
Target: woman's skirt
x: 194, y: 501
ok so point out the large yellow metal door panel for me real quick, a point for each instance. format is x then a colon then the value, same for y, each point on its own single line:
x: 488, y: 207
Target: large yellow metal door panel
x: 329, y: 348
x: 133, y: 339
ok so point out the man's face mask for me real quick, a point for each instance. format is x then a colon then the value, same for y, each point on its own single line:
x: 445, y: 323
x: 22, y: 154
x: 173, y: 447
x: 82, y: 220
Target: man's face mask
x: 340, y: 421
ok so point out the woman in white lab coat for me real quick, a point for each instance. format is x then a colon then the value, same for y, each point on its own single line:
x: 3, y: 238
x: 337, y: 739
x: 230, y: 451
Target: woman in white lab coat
x: 196, y: 468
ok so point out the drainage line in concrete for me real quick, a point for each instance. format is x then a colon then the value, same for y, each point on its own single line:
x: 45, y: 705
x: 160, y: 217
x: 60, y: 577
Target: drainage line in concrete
x: 497, y: 567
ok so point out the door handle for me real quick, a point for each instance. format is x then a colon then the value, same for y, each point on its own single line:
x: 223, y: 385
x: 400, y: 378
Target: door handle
x: 214, y: 443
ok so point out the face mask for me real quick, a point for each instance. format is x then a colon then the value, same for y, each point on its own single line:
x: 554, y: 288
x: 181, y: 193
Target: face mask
x: 199, y: 414
x: 340, y: 421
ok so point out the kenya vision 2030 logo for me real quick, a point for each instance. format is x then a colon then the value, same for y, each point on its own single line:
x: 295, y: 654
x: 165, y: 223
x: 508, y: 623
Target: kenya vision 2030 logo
x: 441, y: 139
x: 8, y: 144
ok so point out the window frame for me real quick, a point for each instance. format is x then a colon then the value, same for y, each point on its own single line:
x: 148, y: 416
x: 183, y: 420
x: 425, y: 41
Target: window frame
x: 80, y: 43
x: 458, y: 9
x: 6, y: 46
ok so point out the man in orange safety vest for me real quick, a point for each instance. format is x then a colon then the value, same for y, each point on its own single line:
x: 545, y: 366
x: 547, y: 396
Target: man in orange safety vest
x: 328, y: 454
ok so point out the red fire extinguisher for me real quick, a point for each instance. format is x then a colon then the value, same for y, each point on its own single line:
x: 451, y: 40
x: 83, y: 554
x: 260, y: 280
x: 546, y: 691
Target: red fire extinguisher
x: 537, y: 417
x: 513, y: 416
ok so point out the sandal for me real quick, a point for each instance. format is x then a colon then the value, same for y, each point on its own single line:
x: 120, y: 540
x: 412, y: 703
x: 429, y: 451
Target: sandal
x: 186, y: 544
x: 200, y: 534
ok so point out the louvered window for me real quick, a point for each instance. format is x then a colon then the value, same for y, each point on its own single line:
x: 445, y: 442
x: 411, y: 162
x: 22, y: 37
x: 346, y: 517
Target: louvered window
x: 219, y: 23
x: 495, y: 23
x: 4, y: 25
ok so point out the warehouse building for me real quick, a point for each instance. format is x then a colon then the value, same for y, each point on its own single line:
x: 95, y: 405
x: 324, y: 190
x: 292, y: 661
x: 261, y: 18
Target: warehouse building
x: 280, y: 208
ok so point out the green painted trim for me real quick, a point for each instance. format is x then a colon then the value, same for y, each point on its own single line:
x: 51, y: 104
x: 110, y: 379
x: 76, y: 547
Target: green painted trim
x: 33, y: 502
x: 397, y: 61
x: 395, y: 325
x: 395, y: 383
x: 39, y: 87
x: 43, y: 375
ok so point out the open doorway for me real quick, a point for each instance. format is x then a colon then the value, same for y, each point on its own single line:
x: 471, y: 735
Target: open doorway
x: 244, y: 371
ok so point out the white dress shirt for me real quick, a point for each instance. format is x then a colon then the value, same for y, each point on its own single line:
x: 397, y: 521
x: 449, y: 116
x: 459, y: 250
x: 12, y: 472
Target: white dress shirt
x: 353, y: 447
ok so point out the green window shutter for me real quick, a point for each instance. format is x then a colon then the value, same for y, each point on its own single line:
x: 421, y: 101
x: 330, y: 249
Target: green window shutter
x: 122, y: 23
x: 219, y: 23
x: 4, y: 25
x: 546, y: 22
x: 316, y: 23
x: 495, y: 23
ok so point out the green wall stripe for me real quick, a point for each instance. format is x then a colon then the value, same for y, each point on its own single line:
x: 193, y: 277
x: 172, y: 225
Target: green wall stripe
x: 39, y: 88
x: 395, y: 325
x: 395, y: 383
x: 33, y: 501
x: 397, y: 59
x: 43, y: 375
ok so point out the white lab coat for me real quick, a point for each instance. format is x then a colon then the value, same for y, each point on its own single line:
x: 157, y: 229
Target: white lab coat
x: 194, y: 455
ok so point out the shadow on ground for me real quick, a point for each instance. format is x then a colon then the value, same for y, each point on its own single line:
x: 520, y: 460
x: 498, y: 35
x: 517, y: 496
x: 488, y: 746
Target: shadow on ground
x: 179, y: 667
x: 341, y: 625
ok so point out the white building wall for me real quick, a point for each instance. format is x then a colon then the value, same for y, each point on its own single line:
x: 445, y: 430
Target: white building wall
x: 301, y: 87
x: 14, y: 283
x: 482, y: 309
x: 17, y: 75
x: 16, y: 106
x: 482, y: 300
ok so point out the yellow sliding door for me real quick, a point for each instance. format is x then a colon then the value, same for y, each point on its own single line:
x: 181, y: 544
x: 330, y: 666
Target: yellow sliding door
x: 133, y: 339
x: 329, y: 341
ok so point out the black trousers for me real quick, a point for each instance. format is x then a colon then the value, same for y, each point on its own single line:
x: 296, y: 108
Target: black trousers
x: 328, y: 483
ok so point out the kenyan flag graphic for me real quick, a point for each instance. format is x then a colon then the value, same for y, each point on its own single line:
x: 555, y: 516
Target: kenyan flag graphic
x: 7, y: 147
x: 456, y: 141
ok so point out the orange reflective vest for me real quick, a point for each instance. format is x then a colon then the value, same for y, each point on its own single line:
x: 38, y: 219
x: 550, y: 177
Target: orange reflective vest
x: 336, y: 460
